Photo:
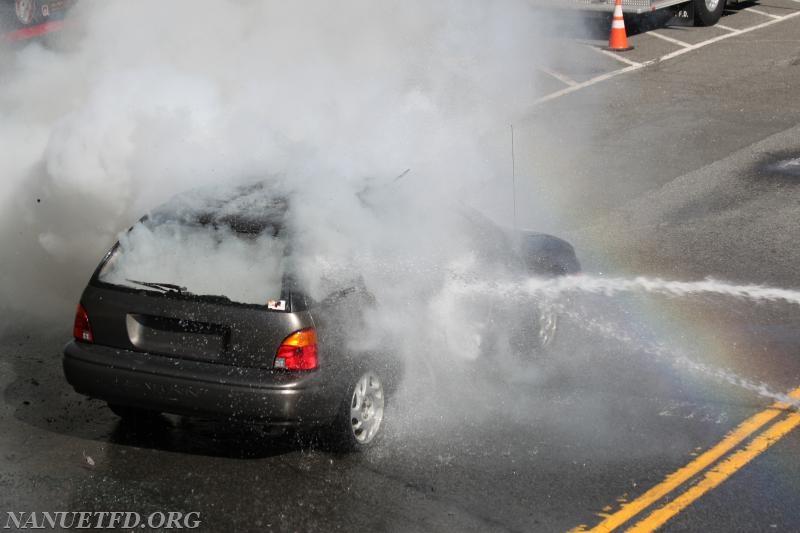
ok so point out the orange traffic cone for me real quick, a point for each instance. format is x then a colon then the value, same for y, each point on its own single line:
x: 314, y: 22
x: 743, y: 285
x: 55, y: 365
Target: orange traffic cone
x: 618, y: 41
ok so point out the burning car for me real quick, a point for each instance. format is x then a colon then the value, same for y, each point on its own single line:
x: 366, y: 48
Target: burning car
x: 170, y: 322
x: 29, y: 12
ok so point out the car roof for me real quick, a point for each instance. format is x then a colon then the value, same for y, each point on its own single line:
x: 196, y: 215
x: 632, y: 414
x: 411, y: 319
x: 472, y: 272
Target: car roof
x: 253, y: 208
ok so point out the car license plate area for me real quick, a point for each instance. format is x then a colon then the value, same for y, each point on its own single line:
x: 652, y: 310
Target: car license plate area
x: 177, y: 337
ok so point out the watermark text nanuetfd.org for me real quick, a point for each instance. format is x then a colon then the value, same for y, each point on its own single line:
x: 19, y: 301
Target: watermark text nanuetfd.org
x: 100, y: 520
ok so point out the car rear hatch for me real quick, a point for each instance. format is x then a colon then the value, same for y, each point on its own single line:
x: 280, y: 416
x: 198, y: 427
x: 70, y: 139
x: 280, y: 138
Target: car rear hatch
x: 207, y: 284
x: 189, y: 327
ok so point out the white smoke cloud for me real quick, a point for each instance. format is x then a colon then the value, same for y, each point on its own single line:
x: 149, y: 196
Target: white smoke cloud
x: 137, y: 101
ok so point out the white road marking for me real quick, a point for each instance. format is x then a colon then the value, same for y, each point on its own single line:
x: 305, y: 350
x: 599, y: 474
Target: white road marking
x: 587, y: 83
x: 763, y: 13
x: 618, y: 57
x: 728, y: 28
x: 669, y: 39
x: 566, y: 80
x: 637, y: 66
x: 728, y: 36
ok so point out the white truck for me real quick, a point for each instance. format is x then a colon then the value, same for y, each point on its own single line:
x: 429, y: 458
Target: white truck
x: 701, y: 12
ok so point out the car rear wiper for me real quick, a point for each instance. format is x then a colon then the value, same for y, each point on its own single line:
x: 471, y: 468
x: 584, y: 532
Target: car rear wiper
x: 171, y: 288
x: 163, y: 287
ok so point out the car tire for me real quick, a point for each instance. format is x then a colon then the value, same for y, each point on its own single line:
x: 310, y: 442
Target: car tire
x: 535, y: 333
x: 360, y: 418
x: 129, y: 413
x: 708, y: 12
x: 546, y: 328
x: 26, y: 11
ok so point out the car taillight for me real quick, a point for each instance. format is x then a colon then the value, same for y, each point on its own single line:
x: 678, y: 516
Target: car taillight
x: 298, y: 351
x: 82, y: 330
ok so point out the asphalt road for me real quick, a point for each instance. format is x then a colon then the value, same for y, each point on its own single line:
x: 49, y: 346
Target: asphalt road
x: 667, y: 172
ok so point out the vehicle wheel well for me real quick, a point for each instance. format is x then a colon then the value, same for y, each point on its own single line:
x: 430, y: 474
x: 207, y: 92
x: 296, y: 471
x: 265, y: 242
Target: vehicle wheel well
x: 706, y: 13
x: 547, y: 255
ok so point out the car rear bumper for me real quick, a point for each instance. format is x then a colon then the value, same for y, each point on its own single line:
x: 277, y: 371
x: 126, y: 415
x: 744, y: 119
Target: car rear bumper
x: 181, y: 386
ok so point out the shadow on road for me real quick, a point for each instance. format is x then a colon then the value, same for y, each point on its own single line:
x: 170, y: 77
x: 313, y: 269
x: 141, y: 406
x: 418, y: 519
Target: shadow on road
x: 206, y: 437
x: 40, y: 397
x: 596, y: 25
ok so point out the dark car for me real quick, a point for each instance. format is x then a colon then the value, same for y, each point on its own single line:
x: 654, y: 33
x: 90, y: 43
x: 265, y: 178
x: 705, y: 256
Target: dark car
x: 150, y: 337
x: 21, y: 13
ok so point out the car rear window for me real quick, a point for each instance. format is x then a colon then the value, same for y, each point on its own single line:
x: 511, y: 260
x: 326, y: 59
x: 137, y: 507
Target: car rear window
x: 235, y: 258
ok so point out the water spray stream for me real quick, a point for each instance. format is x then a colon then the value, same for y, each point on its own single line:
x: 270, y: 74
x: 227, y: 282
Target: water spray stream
x: 552, y: 290
x: 678, y: 358
x: 554, y: 287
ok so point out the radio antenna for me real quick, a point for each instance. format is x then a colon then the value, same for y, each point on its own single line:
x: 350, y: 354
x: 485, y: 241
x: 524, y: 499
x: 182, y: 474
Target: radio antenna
x: 513, y: 180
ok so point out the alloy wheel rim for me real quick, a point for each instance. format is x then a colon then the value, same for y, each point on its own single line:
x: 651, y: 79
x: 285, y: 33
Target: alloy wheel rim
x: 366, y: 408
x: 711, y: 5
x: 24, y: 10
x: 548, y: 323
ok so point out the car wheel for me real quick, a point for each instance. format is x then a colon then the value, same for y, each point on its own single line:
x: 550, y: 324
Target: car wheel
x: 708, y: 12
x: 361, y: 414
x: 27, y: 11
x: 535, y: 332
x: 546, y: 327
x: 127, y: 412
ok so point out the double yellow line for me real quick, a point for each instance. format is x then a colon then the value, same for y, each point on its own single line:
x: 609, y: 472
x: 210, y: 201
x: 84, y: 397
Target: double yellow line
x: 712, y: 477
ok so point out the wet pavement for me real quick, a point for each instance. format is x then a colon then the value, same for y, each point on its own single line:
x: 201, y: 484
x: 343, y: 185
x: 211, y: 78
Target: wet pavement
x: 542, y: 450
x: 556, y: 445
